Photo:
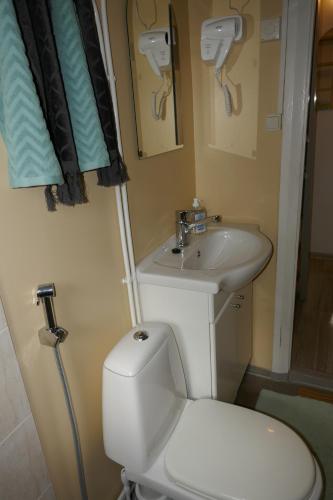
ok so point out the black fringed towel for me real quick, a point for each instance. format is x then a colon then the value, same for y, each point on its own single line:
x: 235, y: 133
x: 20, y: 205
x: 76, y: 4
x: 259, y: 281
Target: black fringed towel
x: 116, y: 173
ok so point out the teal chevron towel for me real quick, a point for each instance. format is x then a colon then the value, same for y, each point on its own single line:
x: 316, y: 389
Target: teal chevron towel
x: 88, y: 135
x: 32, y: 159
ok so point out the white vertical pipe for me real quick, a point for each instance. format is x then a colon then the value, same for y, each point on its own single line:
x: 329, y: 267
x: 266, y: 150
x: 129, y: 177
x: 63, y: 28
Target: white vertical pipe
x: 128, y: 274
x: 107, y: 59
x: 123, y: 188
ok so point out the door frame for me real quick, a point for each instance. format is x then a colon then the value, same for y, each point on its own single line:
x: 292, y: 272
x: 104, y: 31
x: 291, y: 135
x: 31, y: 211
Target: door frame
x: 299, y: 44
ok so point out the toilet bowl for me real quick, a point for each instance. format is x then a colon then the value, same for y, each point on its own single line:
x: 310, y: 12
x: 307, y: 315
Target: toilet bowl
x: 185, y: 449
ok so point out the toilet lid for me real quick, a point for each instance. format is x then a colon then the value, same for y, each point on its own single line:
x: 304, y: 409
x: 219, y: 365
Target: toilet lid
x: 226, y: 452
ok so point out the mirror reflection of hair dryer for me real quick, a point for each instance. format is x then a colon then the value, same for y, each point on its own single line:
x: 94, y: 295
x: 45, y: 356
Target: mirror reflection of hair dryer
x: 217, y: 37
x: 155, y: 45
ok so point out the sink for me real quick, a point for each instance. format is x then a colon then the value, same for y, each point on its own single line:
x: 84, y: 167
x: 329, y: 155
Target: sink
x: 225, y: 257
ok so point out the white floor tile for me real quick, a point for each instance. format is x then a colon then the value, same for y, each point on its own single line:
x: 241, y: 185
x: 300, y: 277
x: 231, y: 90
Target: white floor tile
x: 23, y: 471
x: 13, y: 399
x: 48, y: 494
x: 3, y: 322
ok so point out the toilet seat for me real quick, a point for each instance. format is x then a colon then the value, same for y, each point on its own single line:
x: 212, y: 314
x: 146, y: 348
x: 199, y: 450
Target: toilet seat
x: 222, y: 451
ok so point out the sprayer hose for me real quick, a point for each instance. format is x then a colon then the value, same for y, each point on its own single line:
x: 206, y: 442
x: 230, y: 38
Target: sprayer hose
x: 73, y: 421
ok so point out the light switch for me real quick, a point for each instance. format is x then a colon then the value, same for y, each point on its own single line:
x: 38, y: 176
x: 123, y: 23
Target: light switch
x: 273, y: 122
x: 270, y: 29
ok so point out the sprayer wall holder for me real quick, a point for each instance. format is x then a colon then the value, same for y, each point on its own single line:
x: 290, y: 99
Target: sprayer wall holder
x: 52, y: 337
x: 51, y: 334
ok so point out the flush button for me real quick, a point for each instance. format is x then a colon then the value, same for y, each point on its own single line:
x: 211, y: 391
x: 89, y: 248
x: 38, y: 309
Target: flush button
x: 140, y: 336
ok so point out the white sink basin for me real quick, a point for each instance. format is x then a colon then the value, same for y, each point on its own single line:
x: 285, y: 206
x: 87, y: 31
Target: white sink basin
x: 223, y: 258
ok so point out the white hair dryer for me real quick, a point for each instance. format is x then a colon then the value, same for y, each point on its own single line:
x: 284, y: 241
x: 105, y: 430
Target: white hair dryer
x: 155, y: 45
x: 217, y: 37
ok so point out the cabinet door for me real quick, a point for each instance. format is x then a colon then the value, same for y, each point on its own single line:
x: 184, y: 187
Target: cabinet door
x: 227, y: 370
x: 232, y: 333
x: 244, y: 328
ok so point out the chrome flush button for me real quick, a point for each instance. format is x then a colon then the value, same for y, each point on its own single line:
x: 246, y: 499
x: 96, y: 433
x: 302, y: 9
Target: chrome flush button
x: 140, y: 336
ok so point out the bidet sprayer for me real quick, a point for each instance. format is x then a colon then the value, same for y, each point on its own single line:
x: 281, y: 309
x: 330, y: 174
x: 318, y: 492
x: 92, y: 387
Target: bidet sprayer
x: 51, y: 334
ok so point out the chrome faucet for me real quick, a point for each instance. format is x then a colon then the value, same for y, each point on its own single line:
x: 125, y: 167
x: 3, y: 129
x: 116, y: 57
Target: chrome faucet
x: 184, y: 225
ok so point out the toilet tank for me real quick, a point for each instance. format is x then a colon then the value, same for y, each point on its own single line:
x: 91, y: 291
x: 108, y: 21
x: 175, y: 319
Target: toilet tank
x: 144, y: 394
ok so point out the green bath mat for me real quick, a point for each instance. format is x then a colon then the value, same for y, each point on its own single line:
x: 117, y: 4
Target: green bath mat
x: 311, y: 419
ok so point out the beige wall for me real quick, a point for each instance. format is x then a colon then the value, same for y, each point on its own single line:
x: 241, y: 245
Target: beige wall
x: 79, y: 249
x: 239, y: 188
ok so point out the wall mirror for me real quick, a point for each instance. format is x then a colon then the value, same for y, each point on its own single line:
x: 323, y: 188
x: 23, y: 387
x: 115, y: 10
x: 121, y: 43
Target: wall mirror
x: 153, y: 44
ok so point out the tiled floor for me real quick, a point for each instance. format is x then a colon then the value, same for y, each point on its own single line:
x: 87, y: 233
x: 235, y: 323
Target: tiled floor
x: 312, y: 350
x: 252, y: 384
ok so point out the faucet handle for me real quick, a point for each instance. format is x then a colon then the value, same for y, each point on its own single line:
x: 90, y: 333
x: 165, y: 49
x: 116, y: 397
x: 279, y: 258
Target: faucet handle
x: 183, y: 215
x: 214, y: 218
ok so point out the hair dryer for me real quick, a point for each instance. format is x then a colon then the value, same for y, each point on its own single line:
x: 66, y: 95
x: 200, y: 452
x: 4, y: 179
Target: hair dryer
x: 217, y: 37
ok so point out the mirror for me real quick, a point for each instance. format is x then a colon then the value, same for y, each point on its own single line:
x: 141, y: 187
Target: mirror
x: 153, y: 44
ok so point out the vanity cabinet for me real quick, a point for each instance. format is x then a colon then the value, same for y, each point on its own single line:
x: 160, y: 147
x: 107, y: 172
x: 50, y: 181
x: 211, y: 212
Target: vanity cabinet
x: 213, y: 332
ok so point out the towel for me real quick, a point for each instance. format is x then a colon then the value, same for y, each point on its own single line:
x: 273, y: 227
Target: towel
x: 88, y: 135
x: 66, y: 95
x: 116, y: 173
x: 37, y: 32
x: 32, y: 158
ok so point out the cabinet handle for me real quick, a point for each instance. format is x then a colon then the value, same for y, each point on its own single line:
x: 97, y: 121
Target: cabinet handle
x: 236, y: 306
x: 240, y: 297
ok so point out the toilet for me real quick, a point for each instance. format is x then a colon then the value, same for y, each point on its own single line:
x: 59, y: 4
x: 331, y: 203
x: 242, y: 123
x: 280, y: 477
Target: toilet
x: 190, y: 450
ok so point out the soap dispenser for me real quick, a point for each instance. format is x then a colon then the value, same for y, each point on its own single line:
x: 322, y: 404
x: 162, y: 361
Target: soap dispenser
x: 199, y: 213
